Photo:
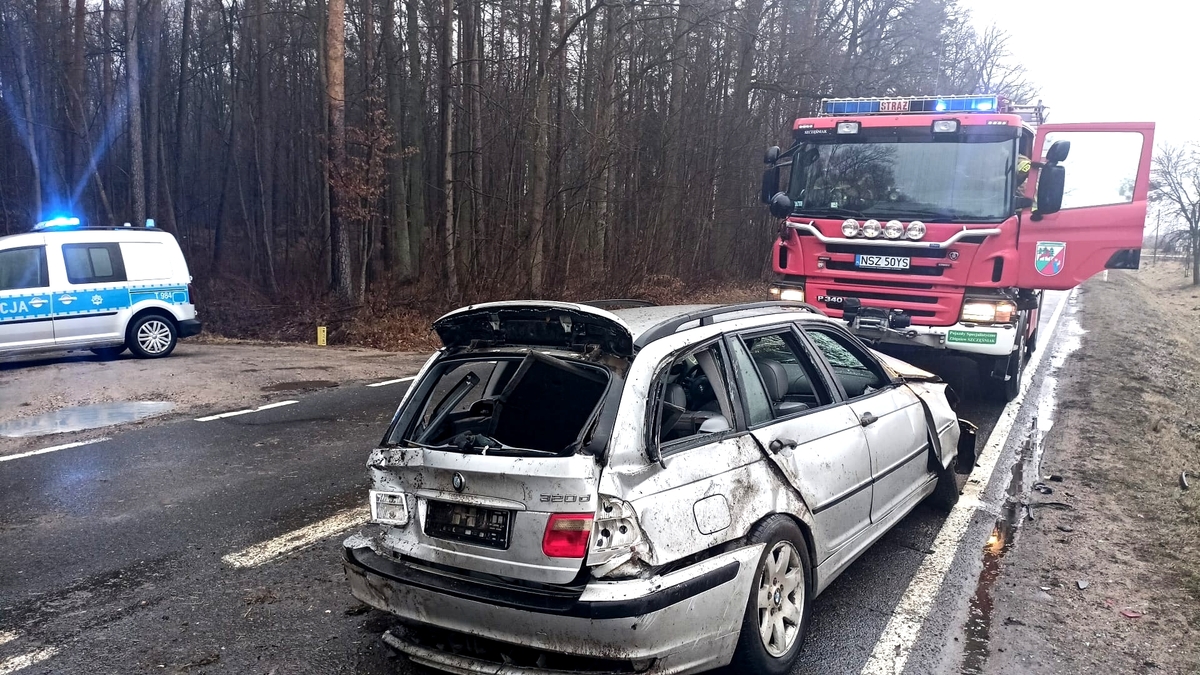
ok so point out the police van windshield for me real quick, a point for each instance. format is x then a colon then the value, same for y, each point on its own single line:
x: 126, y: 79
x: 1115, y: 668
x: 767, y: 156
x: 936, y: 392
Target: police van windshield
x: 906, y: 174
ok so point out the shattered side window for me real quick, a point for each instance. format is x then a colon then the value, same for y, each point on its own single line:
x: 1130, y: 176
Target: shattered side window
x: 856, y: 372
x: 695, y: 398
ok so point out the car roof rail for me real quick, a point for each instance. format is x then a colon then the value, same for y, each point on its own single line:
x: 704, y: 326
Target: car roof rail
x: 618, y: 303
x: 708, y: 316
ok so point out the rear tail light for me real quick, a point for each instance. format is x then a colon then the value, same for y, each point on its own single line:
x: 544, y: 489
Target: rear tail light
x: 567, y: 535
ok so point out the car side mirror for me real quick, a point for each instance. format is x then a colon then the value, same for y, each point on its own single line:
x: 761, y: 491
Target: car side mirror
x: 715, y: 425
x: 1051, y: 181
x: 781, y: 205
x: 770, y: 183
x: 1058, y: 152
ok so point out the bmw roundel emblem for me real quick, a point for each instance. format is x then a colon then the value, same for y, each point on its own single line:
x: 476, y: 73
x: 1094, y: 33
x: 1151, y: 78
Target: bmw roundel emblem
x: 458, y: 482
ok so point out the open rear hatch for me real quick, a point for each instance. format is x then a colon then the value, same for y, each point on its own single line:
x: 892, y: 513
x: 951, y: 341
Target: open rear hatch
x: 491, y: 454
x: 535, y: 324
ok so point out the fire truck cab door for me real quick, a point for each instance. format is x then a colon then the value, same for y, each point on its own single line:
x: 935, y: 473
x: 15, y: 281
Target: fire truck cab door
x: 1103, y: 211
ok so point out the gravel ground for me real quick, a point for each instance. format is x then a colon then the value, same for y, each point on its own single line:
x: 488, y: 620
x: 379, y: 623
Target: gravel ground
x: 1106, y: 576
x: 201, y: 377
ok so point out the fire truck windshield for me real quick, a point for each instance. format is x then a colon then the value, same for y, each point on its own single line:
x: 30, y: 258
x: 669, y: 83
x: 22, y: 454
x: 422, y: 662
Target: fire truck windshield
x: 887, y: 175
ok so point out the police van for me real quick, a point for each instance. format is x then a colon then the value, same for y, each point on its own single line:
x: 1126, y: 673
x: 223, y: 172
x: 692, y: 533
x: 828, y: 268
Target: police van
x: 106, y: 289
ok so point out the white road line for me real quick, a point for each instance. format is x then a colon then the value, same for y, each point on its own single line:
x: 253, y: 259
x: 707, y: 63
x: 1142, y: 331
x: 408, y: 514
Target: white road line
x: 31, y: 453
x: 274, y: 405
x: 297, y: 539
x: 247, y: 411
x: 16, y: 663
x: 895, y: 643
x: 387, y: 382
x: 7, y: 636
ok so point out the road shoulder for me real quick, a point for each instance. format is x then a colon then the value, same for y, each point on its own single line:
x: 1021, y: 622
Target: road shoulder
x: 1102, y: 574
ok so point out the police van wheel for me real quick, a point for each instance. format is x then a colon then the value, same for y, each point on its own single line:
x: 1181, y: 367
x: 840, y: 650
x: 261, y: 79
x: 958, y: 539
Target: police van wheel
x: 109, y: 352
x: 152, y: 337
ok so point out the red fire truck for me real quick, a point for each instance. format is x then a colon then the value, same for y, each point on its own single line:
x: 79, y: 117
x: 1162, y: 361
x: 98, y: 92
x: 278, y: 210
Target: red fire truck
x: 924, y: 223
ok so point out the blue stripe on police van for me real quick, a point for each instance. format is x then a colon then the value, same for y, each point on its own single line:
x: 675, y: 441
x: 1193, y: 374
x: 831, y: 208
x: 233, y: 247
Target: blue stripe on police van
x: 81, y: 302
x: 26, y: 307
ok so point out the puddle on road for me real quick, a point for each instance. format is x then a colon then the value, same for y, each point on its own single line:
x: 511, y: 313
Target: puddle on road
x: 300, y: 385
x: 1025, y: 473
x: 84, y: 417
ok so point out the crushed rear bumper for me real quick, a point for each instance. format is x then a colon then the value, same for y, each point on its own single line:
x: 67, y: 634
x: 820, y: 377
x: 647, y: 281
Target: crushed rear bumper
x: 686, y: 621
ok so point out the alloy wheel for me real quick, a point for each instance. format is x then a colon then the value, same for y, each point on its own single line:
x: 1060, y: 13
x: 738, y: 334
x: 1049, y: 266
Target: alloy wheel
x: 154, y: 336
x: 780, y: 599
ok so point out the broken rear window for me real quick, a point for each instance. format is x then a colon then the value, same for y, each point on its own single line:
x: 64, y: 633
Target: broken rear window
x: 538, y: 404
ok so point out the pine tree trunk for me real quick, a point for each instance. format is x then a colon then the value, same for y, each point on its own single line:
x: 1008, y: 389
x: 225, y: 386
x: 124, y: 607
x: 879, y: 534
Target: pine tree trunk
x: 399, y: 254
x: 335, y: 94
x: 137, y: 167
x: 447, y: 112
x: 415, y: 137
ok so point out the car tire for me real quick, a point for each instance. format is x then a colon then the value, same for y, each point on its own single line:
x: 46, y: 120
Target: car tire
x: 781, y: 595
x: 152, y: 336
x: 109, y: 353
x: 945, y: 494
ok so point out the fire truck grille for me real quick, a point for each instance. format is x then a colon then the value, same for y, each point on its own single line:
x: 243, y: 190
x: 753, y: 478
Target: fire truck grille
x: 919, y: 270
x: 900, y: 251
x: 888, y: 284
x: 890, y: 297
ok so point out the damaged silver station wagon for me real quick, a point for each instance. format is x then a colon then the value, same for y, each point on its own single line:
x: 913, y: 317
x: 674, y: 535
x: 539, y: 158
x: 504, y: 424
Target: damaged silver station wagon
x: 646, y: 490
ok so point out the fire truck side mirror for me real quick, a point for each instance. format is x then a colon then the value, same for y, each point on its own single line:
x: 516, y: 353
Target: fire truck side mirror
x: 781, y: 205
x: 1058, y: 151
x: 1051, y: 181
x: 772, y: 155
x: 770, y: 184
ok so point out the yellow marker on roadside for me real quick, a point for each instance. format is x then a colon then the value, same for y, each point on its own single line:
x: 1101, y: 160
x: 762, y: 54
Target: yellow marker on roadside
x: 321, y: 336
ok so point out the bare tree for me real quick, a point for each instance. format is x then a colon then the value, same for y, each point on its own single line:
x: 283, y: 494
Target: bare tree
x: 1177, y: 184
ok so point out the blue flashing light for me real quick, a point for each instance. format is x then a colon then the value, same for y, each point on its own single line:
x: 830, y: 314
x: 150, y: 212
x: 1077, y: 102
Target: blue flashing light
x: 61, y: 221
x: 892, y: 105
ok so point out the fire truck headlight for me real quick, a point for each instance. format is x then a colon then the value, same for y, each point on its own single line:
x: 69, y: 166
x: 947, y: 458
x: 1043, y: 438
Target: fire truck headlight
x: 894, y: 229
x: 916, y: 230
x: 871, y: 229
x: 979, y: 312
x: 989, y: 311
x: 848, y: 127
x: 850, y: 227
x: 792, y: 294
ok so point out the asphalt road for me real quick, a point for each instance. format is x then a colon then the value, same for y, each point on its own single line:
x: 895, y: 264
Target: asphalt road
x: 111, y: 553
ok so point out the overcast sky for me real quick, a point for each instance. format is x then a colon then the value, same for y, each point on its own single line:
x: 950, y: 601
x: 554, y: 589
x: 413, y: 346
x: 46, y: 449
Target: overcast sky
x: 1097, y: 61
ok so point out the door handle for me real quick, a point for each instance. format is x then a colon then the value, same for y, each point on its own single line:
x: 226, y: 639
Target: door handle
x: 66, y: 299
x: 867, y: 419
x: 779, y: 444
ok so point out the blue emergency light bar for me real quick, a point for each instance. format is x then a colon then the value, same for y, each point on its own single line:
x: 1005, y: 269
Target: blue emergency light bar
x: 57, y: 222
x: 919, y: 104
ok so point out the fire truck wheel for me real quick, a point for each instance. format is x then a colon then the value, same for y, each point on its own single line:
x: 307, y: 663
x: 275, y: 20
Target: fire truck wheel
x: 1032, y: 345
x: 1007, y: 390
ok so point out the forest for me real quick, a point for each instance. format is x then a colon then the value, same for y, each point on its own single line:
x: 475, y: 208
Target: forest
x: 366, y: 155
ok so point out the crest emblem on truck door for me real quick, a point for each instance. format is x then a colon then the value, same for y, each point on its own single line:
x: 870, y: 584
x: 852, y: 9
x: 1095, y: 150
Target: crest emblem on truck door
x: 1050, y: 257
